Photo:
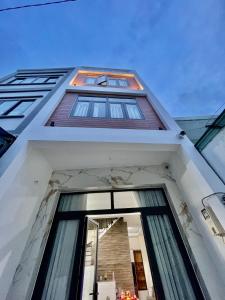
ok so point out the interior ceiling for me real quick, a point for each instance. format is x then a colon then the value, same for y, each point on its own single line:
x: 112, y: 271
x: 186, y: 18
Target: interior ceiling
x: 72, y: 155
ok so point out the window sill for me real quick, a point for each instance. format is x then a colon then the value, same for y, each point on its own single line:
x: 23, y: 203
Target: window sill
x: 11, y: 117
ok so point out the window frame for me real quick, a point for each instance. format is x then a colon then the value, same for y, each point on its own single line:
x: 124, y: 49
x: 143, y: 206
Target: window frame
x: 78, y: 265
x: 107, y: 110
x: 13, y: 80
x: 19, y: 101
x: 107, y: 81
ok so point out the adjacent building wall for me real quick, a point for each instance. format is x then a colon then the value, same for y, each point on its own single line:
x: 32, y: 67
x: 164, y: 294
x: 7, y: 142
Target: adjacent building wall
x: 215, y: 153
x: 40, y: 93
x: 194, y: 126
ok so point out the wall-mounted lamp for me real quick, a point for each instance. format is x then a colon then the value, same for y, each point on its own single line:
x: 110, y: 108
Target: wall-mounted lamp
x: 214, y: 212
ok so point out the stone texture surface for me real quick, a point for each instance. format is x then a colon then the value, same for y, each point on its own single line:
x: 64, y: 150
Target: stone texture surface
x: 114, y: 256
x: 93, y: 179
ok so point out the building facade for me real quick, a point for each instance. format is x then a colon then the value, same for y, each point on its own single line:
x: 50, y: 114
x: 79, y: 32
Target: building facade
x: 195, y: 126
x: 212, y: 145
x: 101, y: 197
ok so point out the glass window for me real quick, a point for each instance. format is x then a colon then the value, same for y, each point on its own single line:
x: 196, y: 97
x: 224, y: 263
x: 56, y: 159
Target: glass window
x: 77, y: 202
x: 6, y: 105
x: 122, y: 100
x: 81, y: 109
x: 95, y: 99
x: 123, y: 82
x: 18, y: 80
x: 116, y: 111
x: 29, y: 79
x: 133, y: 111
x: 40, y: 80
x: 20, y: 108
x: 90, y: 80
x: 101, y: 80
x: 112, y: 82
x: 52, y: 80
x: 148, y: 198
x: 99, y: 110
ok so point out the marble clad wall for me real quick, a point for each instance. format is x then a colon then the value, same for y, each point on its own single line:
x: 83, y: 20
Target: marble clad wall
x: 89, y: 179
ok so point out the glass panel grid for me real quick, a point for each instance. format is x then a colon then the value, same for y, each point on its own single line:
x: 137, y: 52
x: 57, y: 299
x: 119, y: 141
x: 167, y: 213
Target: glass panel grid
x: 40, y: 80
x: 133, y: 111
x: 90, y: 201
x: 130, y: 199
x: 112, y: 82
x: 6, y: 105
x: 90, y: 80
x: 123, y: 82
x: 81, y: 109
x: 21, y: 108
x: 91, y: 99
x: 29, y: 79
x: 99, y: 110
x: 116, y: 111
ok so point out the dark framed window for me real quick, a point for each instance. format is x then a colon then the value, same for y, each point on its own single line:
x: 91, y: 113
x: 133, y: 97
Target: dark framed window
x: 32, y: 80
x: 104, y: 80
x: 107, y: 107
x: 62, y: 266
x: 15, y: 107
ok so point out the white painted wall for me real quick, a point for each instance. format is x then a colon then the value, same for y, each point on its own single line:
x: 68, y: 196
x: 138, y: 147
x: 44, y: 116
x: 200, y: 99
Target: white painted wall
x: 194, y: 186
x: 214, y: 152
x: 19, y: 204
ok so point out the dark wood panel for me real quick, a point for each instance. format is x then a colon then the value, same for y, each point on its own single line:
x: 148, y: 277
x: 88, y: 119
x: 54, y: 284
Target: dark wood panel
x: 62, y: 117
x: 139, y: 270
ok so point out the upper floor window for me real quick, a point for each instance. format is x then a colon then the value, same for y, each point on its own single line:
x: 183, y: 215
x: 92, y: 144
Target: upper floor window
x: 32, y: 80
x: 107, y: 107
x: 104, y: 80
x: 14, y: 107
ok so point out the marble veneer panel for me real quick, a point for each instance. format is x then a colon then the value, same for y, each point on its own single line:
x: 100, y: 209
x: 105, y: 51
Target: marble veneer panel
x: 88, y: 179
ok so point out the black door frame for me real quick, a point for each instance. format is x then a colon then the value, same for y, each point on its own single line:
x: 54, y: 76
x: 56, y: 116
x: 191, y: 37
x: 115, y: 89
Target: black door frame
x: 78, y: 267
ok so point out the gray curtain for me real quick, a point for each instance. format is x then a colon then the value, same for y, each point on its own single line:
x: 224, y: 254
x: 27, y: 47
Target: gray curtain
x: 61, y: 262
x: 153, y: 197
x: 73, y: 202
x: 171, y: 266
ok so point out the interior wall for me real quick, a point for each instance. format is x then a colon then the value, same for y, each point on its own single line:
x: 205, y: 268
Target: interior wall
x: 19, y: 206
x: 138, y: 243
x: 114, y: 256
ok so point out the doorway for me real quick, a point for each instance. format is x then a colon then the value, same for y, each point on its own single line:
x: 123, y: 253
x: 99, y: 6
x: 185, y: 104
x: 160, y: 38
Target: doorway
x: 77, y: 265
x: 116, y: 261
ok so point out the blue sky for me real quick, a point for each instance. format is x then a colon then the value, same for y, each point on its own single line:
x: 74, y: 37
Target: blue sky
x: 177, y: 46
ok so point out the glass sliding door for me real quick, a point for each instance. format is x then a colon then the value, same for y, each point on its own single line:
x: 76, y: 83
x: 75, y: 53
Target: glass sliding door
x: 69, y: 265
